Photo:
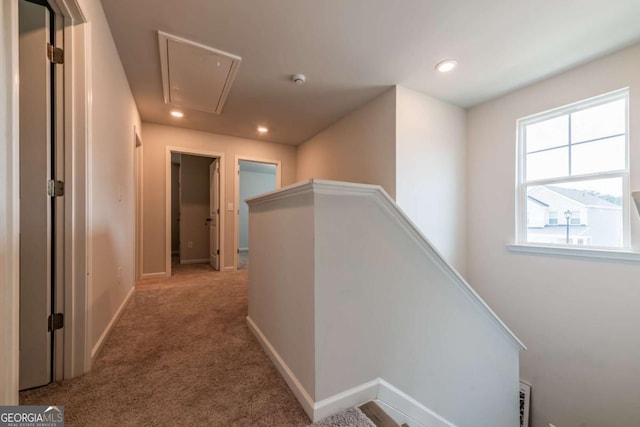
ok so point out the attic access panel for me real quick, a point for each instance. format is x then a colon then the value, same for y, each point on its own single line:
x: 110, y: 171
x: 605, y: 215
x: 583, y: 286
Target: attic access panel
x: 195, y: 76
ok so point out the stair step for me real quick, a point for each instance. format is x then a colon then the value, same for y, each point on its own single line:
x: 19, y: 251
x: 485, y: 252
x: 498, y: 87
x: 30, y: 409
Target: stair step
x: 378, y: 416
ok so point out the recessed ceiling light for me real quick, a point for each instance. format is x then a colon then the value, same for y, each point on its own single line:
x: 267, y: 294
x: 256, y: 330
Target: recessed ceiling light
x: 446, y: 65
x: 263, y: 129
x: 176, y: 113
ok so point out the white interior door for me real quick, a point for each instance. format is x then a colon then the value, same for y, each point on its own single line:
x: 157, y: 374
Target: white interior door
x: 35, y: 204
x: 181, y: 225
x: 214, y: 214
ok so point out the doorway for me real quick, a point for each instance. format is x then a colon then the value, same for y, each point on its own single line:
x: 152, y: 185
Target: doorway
x: 194, y: 194
x: 137, y: 185
x: 175, y: 208
x: 41, y: 197
x: 254, y: 177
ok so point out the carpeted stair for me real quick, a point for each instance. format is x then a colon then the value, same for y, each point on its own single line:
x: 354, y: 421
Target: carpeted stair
x: 352, y: 417
x: 366, y: 415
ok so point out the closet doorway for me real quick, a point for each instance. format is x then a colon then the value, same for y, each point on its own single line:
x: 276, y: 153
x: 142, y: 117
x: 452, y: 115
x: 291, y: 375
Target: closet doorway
x: 194, y: 218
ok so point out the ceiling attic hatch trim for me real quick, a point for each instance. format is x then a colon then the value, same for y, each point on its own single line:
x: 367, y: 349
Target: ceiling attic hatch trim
x: 195, y: 76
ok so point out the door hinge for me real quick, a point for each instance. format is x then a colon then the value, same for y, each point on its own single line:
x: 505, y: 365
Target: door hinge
x: 55, y: 54
x: 56, y: 321
x: 218, y: 251
x: 55, y: 188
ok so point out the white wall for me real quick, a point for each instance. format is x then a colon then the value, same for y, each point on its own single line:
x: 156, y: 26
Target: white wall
x: 360, y: 147
x: 430, y: 170
x: 415, y: 147
x: 383, y: 305
x: 281, y: 299
x: 378, y: 294
x: 156, y: 139
x: 9, y: 200
x: 113, y: 115
x: 252, y: 183
x: 194, y: 208
x: 579, y: 318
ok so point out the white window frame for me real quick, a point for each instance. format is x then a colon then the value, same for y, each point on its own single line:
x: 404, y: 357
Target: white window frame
x: 576, y: 218
x: 522, y: 183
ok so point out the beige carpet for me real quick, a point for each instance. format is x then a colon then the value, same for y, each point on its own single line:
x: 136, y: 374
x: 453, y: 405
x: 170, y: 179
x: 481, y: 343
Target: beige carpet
x: 180, y: 355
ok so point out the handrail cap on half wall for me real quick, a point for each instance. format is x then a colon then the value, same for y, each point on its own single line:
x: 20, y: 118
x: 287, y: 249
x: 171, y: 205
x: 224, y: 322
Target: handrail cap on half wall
x: 319, y: 186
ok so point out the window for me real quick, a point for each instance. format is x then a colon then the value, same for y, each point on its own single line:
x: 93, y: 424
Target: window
x: 575, y: 218
x: 573, y: 170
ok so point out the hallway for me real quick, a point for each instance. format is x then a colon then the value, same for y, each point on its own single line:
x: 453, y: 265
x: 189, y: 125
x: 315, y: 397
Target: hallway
x: 181, y: 354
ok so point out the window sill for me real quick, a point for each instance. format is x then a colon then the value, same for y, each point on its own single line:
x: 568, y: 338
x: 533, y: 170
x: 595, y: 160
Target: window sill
x: 597, y: 254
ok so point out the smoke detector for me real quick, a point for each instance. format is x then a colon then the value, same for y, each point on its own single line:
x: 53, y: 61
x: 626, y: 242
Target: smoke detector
x: 298, y: 79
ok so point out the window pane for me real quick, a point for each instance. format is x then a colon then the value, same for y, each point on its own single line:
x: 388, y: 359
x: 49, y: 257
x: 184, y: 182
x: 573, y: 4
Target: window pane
x: 599, y: 122
x: 598, y: 156
x: 590, y: 211
x: 575, y: 217
x: 548, y: 164
x: 547, y: 134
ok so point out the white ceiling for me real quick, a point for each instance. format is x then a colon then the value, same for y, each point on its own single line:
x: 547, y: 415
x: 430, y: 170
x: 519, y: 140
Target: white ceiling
x: 353, y: 50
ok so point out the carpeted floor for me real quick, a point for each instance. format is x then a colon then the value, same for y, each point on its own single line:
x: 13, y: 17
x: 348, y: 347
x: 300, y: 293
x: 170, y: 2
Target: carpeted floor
x: 180, y: 355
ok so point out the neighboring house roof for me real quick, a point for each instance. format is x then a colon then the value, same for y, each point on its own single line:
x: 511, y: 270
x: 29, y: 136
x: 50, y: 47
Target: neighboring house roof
x: 583, y: 197
x: 538, y: 202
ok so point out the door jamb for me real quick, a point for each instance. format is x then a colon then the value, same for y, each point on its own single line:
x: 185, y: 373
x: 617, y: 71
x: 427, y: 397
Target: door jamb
x: 138, y: 155
x: 59, y: 160
x: 167, y: 197
x: 77, y: 130
x: 216, y: 213
x: 236, y: 190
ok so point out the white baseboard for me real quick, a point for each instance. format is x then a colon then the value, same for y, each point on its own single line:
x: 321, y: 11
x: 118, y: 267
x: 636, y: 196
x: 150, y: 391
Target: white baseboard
x: 95, y: 351
x: 353, y: 397
x: 399, y: 417
x: 398, y: 404
x: 194, y: 261
x: 296, y: 387
x: 160, y: 275
x: 409, y: 407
